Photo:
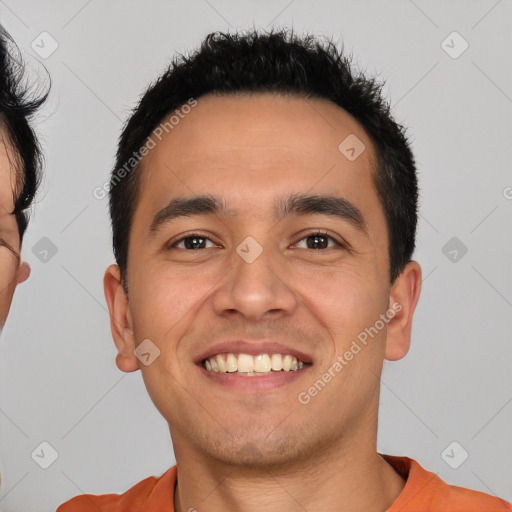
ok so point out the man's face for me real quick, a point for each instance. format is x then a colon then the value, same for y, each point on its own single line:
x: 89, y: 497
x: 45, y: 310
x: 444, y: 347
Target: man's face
x: 253, y: 276
x: 11, y: 272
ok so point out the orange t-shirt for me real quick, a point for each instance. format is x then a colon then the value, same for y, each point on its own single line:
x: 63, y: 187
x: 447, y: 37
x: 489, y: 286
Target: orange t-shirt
x: 423, y: 492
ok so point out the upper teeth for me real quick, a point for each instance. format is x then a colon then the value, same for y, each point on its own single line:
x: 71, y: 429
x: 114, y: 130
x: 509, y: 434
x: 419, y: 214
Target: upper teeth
x: 248, y: 363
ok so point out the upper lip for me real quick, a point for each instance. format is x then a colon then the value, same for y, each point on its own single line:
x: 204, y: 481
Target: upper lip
x: 253, y: 348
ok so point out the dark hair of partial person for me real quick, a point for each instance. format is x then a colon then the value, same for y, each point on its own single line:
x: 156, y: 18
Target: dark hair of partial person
x: 277, y: 61
x: 18, y: 104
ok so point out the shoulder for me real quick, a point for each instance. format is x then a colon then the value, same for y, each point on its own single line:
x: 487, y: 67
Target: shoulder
x: 466, y: 500
x: 424, y: 491
x: 150, y: 491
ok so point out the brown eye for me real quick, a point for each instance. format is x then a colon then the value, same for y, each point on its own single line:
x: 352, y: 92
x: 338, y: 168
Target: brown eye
x: 194, y: 241
x: 319, y: 240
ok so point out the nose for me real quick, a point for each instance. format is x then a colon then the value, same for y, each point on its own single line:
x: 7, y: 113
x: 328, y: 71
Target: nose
x: 257, y: 289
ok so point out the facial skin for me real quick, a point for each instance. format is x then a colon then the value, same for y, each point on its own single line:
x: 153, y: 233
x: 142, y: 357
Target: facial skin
x: 12, y: 270
x: 264, y: 450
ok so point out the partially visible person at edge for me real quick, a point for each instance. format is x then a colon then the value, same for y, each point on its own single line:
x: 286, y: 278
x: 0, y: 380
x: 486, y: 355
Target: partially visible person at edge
x: 20, y: 167
x: 264, y: 211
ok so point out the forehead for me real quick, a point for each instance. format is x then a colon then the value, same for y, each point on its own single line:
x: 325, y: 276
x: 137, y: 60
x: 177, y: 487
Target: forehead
x: 252, y: 148
x: 270, y: 122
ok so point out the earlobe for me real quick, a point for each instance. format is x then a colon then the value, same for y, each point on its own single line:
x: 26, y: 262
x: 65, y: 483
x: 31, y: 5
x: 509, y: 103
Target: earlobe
x: 120, y: 320
x: 23, y: 272
x: 403, y: 299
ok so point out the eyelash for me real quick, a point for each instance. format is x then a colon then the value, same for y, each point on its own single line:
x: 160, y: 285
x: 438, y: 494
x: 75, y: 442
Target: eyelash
x: 199, y: 235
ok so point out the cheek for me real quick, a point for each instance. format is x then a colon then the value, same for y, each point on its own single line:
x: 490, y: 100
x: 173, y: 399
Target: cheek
x: 164, y: 301
x: 8, y: 268
x: 7, y: 286
x: 348, y: 303
x: 345, y: 299
x: 5, y: 302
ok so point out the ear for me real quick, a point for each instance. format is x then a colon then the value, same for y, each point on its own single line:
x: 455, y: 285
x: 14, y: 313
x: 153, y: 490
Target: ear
x: 23, y: 272
x: 120, y: 320
x: 403, y: 298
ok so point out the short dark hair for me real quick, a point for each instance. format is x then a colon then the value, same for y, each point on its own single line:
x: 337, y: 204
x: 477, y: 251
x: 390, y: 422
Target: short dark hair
x: 279, y: 62
x: 18, y: 103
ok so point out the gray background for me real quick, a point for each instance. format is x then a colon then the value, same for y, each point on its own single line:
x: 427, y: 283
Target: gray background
x: 58, y: 379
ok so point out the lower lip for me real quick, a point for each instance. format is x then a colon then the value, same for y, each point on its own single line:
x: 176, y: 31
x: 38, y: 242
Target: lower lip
x: 255, y: 383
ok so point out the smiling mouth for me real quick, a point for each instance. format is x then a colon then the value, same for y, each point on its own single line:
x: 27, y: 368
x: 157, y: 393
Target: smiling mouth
x: 247, y: 365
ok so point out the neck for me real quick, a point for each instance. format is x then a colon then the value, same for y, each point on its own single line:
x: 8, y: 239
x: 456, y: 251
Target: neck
x: 345, y: 477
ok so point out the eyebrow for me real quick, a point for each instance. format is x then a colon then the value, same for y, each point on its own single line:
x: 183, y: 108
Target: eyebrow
x: 294, y: 204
